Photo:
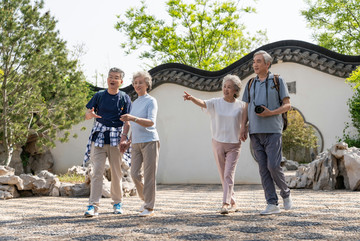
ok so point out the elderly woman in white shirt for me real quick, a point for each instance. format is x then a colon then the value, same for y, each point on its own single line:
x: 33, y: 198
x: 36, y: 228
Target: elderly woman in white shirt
x: 145, y: 144
x: 225, y: 115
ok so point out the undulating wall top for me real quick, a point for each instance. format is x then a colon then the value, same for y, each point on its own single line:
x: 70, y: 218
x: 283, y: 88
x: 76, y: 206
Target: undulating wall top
x: 294, y: 51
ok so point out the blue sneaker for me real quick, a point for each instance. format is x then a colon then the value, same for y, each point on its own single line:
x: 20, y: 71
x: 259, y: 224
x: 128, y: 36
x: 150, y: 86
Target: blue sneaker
x: 91, y: 211
x: 117, y: 208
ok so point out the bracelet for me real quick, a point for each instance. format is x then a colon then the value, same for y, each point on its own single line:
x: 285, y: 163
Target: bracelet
x: 135, y: 119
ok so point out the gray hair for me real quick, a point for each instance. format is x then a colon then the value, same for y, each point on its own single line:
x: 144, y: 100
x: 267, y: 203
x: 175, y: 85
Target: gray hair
x: 267, y: 57
x: 146, y: 76
x: 117, y: 70
x: 236, y: 81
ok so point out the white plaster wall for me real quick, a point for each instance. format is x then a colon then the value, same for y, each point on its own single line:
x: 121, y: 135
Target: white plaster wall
x: 72, y: 153
x: 185, y: 151
x: 320, y: 97
x: 184, y: 129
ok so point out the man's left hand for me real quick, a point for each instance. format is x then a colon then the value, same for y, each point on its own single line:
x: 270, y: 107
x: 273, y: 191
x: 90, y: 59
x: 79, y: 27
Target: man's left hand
x: 265, y: 113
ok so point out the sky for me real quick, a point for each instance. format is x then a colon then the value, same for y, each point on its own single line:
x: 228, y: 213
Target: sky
x: 90, y: 23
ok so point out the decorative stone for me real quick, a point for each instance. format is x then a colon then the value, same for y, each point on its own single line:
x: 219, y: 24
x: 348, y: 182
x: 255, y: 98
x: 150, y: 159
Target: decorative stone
x: 106, y: 189
x: 16, y: 162
x: 6, y: 171
x: 74, y: 190
x: 337, y: 168
x: 5, y: 195
x: 11, y: 189
x: 40, y: 162
x: 352, y: 165
x: 12, y: 180
x: 79, y: 170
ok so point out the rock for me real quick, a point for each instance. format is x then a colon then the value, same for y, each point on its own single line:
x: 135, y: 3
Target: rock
x: 291, y: 165
x: 352, y: 166
x: 75, y: 190
x: 28, y: 181
x: 79, y: 170
x: 16, y: 162
x: 106, y: 188
x: 6, y: 171
x: 107, y: 172
x: 338, y: 150
x: 12, y: 180
x: 42, y: 184
x: 128, y: 188
x: 337, y: 168
x: 5, y: 195
x: 11, y: 189
x: 40, y: 162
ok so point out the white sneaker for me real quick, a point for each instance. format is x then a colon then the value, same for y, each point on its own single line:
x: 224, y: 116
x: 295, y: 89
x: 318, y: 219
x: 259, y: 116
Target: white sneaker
x: 91, y: 211
x: 270, y: 209
x: 224, y: 210
x: 147, y: 213
x: 287, y: 203
x: 234, y: 209
x: 141, y: 209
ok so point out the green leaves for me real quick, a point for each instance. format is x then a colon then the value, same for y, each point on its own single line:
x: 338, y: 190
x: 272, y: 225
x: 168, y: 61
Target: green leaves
x: 298, y: 135
x: 204, y: 34
x: 336, y: 24
x: 42, y: 91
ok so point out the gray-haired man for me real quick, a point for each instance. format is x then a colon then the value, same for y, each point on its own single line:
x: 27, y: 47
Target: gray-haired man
x: 265, y: 129
x: 107, y: 140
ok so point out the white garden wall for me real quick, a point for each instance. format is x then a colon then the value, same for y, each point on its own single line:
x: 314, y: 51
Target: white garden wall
x: 185, y: 150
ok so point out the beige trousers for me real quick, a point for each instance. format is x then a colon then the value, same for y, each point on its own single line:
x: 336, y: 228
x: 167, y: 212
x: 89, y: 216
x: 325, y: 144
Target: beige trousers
x: 226, y: 156
x: 144, y: 161
x: 98, y: 158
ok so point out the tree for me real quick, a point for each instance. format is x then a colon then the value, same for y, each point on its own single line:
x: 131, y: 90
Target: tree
x: 337, y: 27
x: 203, y: 34
x: 298, y: 136
x: 351, y: 138
x: 42, y: 91
x: 336, y: 24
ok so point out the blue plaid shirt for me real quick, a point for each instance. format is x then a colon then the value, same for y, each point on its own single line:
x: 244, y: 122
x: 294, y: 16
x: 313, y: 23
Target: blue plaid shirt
x: 115, y: 137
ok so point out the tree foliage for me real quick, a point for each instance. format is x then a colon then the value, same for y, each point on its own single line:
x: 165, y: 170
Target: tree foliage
x: 203, y: 34
x: 336, y: 24
x: 351, y: 138
x: 42, y: 91
x: 298, y: 135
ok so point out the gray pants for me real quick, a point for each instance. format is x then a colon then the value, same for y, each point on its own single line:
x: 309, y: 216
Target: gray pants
x: 267, y: 149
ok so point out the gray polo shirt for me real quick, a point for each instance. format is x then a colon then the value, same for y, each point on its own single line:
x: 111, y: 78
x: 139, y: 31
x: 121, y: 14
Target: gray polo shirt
x: 271, y: 124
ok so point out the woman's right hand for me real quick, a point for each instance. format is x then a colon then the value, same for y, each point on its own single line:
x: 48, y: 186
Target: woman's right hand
x: 186, y: 96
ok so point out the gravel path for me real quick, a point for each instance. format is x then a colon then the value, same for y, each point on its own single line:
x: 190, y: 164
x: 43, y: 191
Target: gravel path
x: 186, y: 212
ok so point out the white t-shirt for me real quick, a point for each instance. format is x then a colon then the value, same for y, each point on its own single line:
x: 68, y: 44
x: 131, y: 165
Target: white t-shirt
x: 225, y: 119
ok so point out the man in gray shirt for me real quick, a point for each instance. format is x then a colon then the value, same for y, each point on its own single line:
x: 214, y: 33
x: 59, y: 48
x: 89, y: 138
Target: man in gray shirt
x: 263, y: 112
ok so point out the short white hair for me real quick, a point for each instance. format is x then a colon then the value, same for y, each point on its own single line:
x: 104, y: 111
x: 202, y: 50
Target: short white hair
x: 236, y: 81
x: 267, y: 57
x: 146, y: 76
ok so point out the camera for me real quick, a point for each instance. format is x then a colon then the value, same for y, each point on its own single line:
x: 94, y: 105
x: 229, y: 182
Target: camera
x: 259, y: 109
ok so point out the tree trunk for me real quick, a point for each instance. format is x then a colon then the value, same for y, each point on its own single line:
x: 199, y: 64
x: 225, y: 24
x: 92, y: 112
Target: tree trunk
x: 8, y: 155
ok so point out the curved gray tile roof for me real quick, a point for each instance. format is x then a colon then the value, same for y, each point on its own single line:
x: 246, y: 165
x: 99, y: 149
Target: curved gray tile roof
x: 293, y: 51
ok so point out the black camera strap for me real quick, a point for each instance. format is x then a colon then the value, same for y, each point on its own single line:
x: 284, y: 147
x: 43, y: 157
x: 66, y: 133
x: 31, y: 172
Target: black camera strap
x: 267, y: 94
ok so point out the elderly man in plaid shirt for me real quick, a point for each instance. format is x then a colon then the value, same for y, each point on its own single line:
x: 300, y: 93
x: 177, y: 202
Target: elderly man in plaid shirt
x: 107, y: 140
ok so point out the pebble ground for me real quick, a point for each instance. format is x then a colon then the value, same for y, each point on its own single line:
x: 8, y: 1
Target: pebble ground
x: 186, y: 212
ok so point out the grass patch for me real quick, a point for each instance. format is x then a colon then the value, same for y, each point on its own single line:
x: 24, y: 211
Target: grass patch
x: 71, y: 178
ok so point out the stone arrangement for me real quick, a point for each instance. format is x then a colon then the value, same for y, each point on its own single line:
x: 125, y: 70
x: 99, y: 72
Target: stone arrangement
x: 47, y: 184
x: 337, y: 168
